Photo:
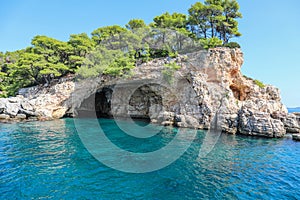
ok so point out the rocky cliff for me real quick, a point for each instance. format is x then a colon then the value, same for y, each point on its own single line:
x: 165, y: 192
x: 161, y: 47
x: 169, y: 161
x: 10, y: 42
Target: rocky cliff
x: 209, y: 87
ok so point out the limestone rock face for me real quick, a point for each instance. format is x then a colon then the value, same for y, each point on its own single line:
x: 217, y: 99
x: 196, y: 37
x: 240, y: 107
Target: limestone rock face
x: 48, y: 100
x: 2, y: 105
x: 291, y: 123
x: 209, y: 85
x: 12, y: 109
x: 39, y: 101
x: 26, y: 105
x: 21, y: 116
x: 187, y: 121
x: 259, y: 124
x: 58, y: 112
x: 4, y: 117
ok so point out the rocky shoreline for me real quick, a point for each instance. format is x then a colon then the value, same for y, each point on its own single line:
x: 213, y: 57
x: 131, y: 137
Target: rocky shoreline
x: 209, y: 84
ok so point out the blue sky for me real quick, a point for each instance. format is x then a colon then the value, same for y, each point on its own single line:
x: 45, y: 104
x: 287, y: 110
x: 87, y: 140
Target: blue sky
x: 270, y: 28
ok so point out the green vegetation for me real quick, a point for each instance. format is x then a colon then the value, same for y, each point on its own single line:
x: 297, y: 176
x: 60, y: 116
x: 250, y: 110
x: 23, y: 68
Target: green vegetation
x: 115, y: 50
x: 259, y: 83
x: 232, y: 45
x: 210, y: 42
x: 169, y: 71
x: 247, y: 77
x: 215, y: 18
x: 104, y: 61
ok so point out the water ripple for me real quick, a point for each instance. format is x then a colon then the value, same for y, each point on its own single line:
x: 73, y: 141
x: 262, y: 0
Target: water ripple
x: 46, y: 160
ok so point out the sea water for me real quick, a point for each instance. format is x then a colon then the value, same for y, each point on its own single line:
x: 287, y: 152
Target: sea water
x: 48, y: 160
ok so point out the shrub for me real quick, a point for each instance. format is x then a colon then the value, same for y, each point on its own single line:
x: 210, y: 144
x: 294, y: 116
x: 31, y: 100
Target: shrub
x: 259, y: 83
x: 173, y: 65
x: 108, y: 62
x: 211, y: 42
x: 247, y: 77
x: 232, y: 45
x: 168, y: 72
x: 120, y: 66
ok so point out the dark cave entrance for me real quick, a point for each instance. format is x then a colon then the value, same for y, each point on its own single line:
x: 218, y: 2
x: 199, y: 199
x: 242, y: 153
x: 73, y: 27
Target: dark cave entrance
x: 144, y: 102
x: 97, y: 105
x: 103, y: 103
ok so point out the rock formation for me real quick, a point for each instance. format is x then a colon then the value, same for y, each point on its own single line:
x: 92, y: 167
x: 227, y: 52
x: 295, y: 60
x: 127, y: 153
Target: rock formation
x: 37, y: 103
x: 209, y: 85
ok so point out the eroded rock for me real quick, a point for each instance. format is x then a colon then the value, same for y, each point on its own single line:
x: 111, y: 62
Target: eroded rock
x: 21, y: 116
x: 4, y: 117
x: 291, y: 124
x: 209, y: 84
x: 12, y: 109
x: 296, y: 137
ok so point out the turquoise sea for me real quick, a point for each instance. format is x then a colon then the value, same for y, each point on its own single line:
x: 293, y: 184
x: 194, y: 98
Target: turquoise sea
x: 47, y: 160
x: 291, y: 110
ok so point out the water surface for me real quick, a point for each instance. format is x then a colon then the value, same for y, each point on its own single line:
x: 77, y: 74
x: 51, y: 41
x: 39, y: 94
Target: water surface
x: 47, y: 160
x: 292, y: 110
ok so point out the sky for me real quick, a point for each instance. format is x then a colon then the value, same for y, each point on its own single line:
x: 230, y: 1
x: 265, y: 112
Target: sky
x: 270, y: 28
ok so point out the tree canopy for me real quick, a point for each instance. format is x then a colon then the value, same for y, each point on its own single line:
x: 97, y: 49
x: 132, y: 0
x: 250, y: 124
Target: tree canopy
x: 215, y: 18
x: 115, y: 50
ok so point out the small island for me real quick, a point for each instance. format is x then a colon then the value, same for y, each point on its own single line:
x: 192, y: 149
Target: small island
x: 181, y: 52
x: 154, y: 109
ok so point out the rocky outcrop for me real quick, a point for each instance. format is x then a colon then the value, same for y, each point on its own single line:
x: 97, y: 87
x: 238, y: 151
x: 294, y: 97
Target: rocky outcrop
x: 209, y: 87
x: 296, y: 137
x: 291, y: 123
x: 209, y: 84
x: 43, y: 103
x: 12, y: 108
x: 259, y: 124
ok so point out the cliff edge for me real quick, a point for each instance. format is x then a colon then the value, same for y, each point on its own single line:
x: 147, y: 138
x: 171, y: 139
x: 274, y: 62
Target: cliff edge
x: 209, y: 85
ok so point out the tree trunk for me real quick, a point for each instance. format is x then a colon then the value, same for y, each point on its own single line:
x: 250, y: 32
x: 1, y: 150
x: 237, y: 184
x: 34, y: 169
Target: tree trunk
x: 212, y: 30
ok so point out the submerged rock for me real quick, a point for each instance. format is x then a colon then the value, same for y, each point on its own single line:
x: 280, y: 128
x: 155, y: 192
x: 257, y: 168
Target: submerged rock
x: 296, y: 137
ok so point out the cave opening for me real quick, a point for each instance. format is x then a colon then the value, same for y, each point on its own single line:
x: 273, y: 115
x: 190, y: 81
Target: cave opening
x: 96, y: 105
x: 103, y: 103
x: 144, y: 103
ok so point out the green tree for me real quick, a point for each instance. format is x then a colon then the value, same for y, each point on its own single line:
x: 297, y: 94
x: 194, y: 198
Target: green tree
x: 36, y: 69
x: 198, y: 20
x: 9, y: 84
x: 108, y: 35
x: 135, y: 24
x: 56, y: 55
x: 51, y: 48
x: 210, y: 42
x: 46, y: 59
x: 2, y: 76
x: 106, y: 61
x: 228, y: 26
x: 170, y: 21
x: 214, y: 17
x: 173, y: 41
x: 219, y: 17
x: 118, y: 38
x: 82, y: 45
